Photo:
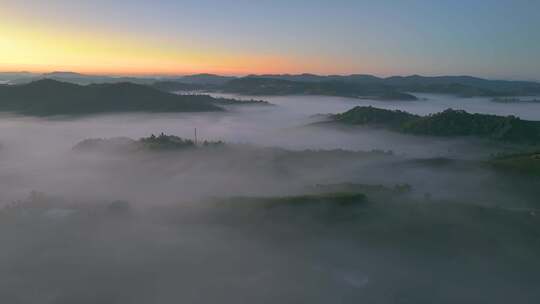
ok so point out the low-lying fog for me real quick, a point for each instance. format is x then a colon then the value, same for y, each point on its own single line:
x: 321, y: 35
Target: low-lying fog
x: 426, y: 104
x: 167, y: 255
x: 36, y: 153
x: 267, y: 126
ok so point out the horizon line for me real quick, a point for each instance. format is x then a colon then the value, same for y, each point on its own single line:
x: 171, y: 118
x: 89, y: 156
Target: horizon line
x: 152, y: 75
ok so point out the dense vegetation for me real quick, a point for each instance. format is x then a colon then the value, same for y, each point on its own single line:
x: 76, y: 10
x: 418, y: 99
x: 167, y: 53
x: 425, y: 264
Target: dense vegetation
x: 161, y: 142
x: 374, y: 116
x: 50, y: 97
x: 165, y: 142
x: 461, y: 123
x: 447, y: 123
x: 520, y: 163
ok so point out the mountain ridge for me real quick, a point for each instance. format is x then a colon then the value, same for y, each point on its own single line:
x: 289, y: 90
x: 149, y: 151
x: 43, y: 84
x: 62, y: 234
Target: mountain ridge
x: 334, y: 85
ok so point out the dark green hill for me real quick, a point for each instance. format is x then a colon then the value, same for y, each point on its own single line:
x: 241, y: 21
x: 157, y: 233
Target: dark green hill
x: 374, y: 116
x: 461, y: 123
x: 447, y: 123
x: 50, y: 97
x: 161, y: 142
x: 520, y: 163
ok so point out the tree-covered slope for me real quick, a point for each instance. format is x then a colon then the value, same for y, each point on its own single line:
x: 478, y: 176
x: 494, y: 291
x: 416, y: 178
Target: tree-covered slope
x: 161, y: 142
x: 527, y: 163
x: 50, y: 97
x: 374, y: 116
x: 446, y: 123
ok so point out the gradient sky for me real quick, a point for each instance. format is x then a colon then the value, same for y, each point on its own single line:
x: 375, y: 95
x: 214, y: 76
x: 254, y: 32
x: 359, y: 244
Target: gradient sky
x: 488, y: 38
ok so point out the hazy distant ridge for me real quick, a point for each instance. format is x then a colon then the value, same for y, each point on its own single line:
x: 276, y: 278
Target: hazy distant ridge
x: 394, y: 87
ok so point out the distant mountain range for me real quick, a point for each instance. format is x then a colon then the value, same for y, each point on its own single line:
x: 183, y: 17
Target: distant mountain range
x: 463, y: 86
x: 13, y: 76
x: 83, y: 79
x: 356, y: 85
x: 276, y: 86
x: 204, y: 79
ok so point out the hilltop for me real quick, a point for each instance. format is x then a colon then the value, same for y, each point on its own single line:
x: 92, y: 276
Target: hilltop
x: 51, y: 97
x: 161, y: 142
x: 448, y: 123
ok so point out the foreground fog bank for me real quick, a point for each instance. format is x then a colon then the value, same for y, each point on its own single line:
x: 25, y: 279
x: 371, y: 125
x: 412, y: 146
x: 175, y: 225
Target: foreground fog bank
x: 41, y: 158
x: 283, y: 211
x: 151, y: 177
x: 61, y: 253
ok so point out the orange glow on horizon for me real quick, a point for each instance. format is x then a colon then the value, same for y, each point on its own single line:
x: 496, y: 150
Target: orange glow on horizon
x: 34, y: 48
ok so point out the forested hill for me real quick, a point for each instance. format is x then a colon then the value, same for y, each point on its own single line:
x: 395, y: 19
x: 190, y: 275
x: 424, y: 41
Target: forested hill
x: 447, y: 123
x: 51, y: 97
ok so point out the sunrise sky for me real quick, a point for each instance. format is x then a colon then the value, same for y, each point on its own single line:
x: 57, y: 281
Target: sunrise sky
x: 489, y: 38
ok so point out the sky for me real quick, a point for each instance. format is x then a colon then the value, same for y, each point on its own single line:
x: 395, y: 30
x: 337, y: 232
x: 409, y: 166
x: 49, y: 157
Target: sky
x: 487, y: 38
